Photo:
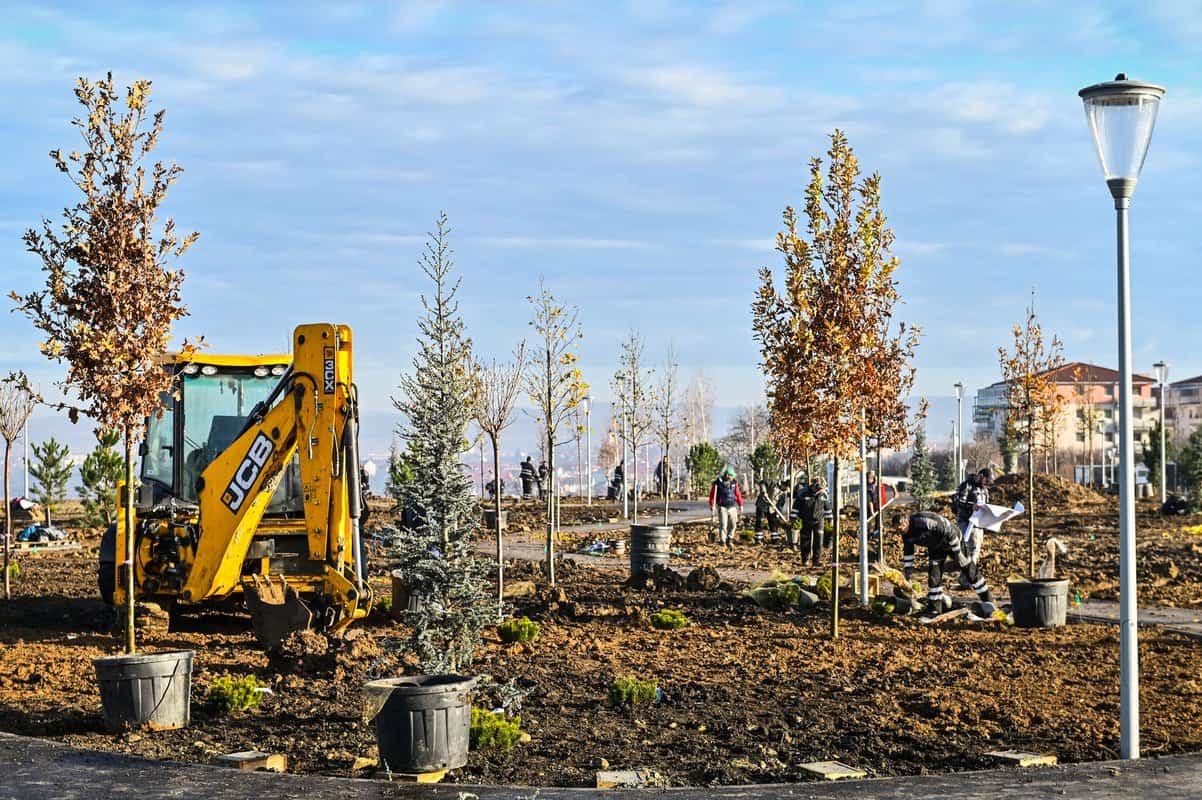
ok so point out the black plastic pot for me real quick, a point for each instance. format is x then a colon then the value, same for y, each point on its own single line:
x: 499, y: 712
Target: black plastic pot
x: 1039, y: 603
x: 151, y: 689
x: 649, y: 545
x: 423, y: 722
x: 490, y: 519
x: 403, y: 597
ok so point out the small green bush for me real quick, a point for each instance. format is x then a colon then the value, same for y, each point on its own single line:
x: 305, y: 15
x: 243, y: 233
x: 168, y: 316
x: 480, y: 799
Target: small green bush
x: 228, y: 694
x: 824, y: 588
x: 520, y: 629
x: 785, y: 594
x: 384, y: 604
x: 884, y: 605
x: 669, y: 619
x: 14, y: 570
x: 747, y: 535
x: 633, y: 691
x: 491, y: 729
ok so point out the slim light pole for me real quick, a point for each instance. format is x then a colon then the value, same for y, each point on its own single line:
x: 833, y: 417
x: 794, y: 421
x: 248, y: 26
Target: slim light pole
x: 1162, y: 376
x: 1121, y: 116
x: 622, y: 398
x: 588, y: 447
x: 25, y: 462
x: 959, y: 432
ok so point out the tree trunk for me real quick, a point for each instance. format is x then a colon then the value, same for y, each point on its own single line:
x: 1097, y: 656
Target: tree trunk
x: 496, y: 480
x: 130, y: 643
x: 836, y: 500
x: 550, y: 500
x: 665, y: 478
x: 8, y: 523
x: 634, y: 453
x: 1031, y: 503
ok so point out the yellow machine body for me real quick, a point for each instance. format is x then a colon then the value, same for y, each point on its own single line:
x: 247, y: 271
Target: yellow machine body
x: 212, y: 536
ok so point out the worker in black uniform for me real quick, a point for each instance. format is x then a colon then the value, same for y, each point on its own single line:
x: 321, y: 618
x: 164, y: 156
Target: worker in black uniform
x: 942, y: 541
x: 528, y: 476
x: 970, y: 495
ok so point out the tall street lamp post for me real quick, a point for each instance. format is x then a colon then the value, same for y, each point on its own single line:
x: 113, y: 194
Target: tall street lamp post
x: 1121, y: 115
x: 588, y: 447
x: 1162, y: 376
x: 959, y: 432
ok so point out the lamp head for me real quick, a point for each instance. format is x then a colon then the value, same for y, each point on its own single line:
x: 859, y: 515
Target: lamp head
x: 1121, y: 114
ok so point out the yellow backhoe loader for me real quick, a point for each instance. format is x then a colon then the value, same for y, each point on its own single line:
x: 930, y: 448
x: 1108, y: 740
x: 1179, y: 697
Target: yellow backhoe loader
x: 250, y: 486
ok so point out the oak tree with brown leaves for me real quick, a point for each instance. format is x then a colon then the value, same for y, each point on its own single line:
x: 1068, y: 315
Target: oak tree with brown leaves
x: 832, y: 355
x: 1032, y: 402
x: 111, y: 297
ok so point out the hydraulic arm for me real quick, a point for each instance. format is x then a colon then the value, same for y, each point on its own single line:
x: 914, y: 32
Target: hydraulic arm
x: 312, y: 415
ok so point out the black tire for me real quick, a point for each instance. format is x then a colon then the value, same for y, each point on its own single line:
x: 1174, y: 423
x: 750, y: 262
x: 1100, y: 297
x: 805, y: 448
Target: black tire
x: 106, y: 573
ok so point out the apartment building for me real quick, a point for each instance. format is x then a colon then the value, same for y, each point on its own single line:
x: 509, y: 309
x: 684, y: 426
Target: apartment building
x: 1090, y: 395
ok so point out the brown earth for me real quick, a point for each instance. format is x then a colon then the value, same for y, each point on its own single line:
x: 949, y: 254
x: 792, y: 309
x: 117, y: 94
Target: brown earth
x: 748, y: 694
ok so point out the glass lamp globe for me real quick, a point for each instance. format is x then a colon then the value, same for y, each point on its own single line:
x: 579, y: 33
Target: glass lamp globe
x: 1121, y: 114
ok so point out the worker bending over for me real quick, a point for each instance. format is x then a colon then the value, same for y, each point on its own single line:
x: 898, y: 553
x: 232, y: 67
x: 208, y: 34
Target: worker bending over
x: 942, y: 540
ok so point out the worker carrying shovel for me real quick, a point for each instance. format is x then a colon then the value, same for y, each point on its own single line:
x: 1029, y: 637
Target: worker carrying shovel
x: 943, y: 541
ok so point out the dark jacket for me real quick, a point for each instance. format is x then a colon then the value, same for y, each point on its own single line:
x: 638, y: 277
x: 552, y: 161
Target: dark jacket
x: 815, y: 506
x: 725, y: 493
x: 932, y: 531
x: 527, y: 473
x: 968, y: 496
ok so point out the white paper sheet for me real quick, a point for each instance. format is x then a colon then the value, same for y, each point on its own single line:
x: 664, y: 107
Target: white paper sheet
x: 990, y: 518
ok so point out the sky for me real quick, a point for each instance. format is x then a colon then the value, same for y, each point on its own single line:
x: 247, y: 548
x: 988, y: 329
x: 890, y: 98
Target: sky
x: 636, y: 156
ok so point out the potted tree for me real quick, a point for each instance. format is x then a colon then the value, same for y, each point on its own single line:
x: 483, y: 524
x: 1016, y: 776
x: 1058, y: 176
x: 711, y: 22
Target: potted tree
x: 107, y: 310
x: 422, y: 721
x: 1032, y: 408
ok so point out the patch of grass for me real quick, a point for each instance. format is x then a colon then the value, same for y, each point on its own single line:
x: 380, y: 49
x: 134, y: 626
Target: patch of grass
x: 228, y: 695
x: 495, y: 730
x: 519, y: 629
x: 747, y: 535
x: 14, y: 569
x: 669, y: 619
x: 632, y: 691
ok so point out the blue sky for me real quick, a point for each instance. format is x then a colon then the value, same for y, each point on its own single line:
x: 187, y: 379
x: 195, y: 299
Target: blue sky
x: 637, y: 155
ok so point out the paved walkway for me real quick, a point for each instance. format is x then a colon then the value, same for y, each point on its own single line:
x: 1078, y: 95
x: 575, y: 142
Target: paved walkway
x: 32, y: 769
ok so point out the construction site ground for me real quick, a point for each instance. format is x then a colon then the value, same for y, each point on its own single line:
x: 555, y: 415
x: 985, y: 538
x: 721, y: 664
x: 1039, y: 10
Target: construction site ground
x: 749, y: 695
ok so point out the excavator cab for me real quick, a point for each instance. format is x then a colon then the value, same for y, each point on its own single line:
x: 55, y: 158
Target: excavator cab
x: 250, y: 487
x: 213, y: 399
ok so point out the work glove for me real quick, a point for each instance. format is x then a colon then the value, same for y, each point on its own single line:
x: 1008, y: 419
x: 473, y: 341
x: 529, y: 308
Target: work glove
x: 963, y: 560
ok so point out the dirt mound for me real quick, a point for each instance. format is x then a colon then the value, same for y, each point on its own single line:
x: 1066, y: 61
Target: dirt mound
x: 1051, y: 492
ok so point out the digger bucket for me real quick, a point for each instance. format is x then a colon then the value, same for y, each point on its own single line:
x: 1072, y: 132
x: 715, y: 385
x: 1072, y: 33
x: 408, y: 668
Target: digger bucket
x: 276, y: 610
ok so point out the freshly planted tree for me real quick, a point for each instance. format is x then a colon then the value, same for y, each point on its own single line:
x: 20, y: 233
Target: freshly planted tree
x: 1151, y: 452
x: 632, y: 387
x: 110, y: 300
x: 99, y: 475
x: 704, y: 462
x: 1031, y: 400
x: 555, y: 384
x: 434, y: 547
x: 51, y: 469
x: 823, y: 335
x: 922, y: 474
x: 664, y: 408
x: 495, y: 391
x: 16, y: 404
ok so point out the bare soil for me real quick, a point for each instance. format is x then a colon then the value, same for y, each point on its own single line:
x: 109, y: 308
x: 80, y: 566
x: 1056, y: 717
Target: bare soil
x: 748, y: 694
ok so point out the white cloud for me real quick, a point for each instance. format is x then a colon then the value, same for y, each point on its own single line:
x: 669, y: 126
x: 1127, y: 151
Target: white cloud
x: 581, y: 242
x: 702, y: 87
x: 1002, y: 106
